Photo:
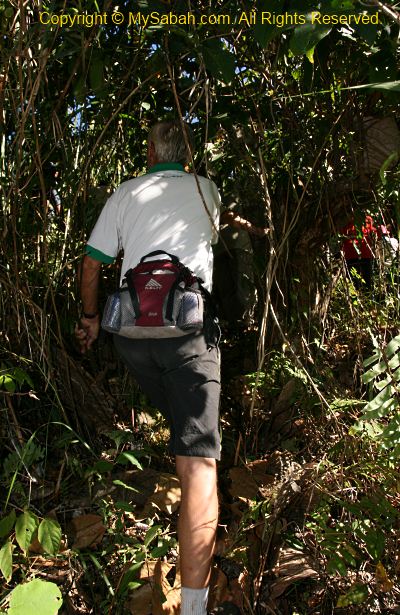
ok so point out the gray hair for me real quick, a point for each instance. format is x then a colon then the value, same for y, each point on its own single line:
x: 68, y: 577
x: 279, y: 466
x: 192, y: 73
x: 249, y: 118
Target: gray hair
x: 169, y: 141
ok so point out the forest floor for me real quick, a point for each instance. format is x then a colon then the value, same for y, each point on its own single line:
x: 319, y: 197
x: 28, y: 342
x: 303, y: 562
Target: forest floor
x: 309, y: 509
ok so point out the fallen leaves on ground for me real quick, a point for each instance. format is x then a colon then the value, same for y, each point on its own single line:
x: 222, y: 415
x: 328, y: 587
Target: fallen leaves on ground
x: 224, y: 590
x: 383, y: 582
x: 292, y: 566
x: 156, y: 596
x: 88, y: 531
x: 166, y: 599
x: 246, y: 481
x: 167, y: 495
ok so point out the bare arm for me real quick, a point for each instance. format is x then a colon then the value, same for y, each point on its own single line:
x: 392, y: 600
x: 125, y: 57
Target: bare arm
x: 234, y: 220
x: 88, y: 329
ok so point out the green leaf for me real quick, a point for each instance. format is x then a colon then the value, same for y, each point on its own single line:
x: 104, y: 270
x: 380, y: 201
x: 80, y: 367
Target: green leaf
x: 306, y: 37
x: 151, y: 533
x: 380, y: 406
x: 129, y: 577
x: 367, y: 31
x: 134, y: 585
x: 8, y: 383
x: 357, y: 594
x: 393, y: 86
x: 390, y: 436
x: 49, y: 535
x: 336, y: 564
x: 374, y: 543
x: 376, y: 403
x: 103, y: 466
x: 263, y: 34
x: 381, y: 384
x: 119, y: 483
x: 340, y: 6
x: 124, y: 506
x: 160, y: 551
x: 310, y: 55
x: 21, y: 376
x: 371, y: 374
x: 96, y: 75
x: 375, y: 357
x: 25, y: 527
x: 262, y: 31
x: 7, y: 524
x: 6, y: 560
x: 80, y: 90
x: 35, y: 597
x: 128, y: 457
x: 219, y: 60
x: 348, y: 556
x: 392, y: 158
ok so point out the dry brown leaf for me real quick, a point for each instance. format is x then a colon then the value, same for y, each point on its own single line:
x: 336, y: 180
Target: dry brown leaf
x: 397, y: 567
x: 292, y: 566
x: 258, y: 467
x: 246, y: 481
x: 166, y: 600
x: 36, y: 547
x: 140, y: 602
x: 167, y: 495
x: 382, y: 580
x: 244, y: 582
x: 236, y: 591
x: 223, y: 543
x: 141, y: 599
x: 88, y: 531
x: 148, y: 568
x: 243, y: 484
x: 218, y: 588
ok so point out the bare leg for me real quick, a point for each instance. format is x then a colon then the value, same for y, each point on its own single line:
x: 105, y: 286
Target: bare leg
x: 198, y: 518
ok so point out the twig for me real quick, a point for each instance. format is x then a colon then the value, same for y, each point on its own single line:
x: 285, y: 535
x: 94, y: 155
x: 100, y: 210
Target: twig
x: 14, y: 422
x: 394, y: 15
x: 58, y: 484
x: 189, y: 149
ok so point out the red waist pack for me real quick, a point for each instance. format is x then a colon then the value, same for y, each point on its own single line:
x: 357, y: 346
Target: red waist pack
x: 162, y: 298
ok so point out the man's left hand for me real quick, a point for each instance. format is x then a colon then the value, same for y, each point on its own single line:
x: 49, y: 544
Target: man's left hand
x: 87, y: 332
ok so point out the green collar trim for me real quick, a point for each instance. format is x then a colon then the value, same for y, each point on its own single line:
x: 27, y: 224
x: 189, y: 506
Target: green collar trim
x: 166, y: 166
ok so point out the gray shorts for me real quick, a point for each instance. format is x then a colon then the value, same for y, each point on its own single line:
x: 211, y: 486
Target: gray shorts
x: 181, y: 376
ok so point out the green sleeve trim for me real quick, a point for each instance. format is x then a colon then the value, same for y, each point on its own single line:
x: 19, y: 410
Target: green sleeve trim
x: 98, y: 255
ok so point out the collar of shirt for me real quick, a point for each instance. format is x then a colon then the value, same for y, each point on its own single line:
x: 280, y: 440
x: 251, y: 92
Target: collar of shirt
x: 166, y: 166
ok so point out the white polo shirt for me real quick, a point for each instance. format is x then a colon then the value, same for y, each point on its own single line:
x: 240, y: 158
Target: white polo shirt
x: 162, y: 210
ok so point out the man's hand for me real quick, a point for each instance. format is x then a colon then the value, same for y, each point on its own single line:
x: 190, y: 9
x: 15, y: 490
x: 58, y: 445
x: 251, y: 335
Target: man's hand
x: 87, y: 332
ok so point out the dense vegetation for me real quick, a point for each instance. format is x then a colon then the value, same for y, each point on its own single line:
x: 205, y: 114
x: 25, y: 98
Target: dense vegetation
x: 310, y: 413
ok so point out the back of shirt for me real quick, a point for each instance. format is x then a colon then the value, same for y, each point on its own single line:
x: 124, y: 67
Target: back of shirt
x: 162, y: 210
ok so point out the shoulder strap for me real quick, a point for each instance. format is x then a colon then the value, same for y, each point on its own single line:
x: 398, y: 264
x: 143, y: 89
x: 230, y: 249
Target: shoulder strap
x: 173, y: 258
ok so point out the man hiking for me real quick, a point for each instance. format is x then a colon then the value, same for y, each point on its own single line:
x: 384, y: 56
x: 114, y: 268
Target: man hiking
x: 170, y: 210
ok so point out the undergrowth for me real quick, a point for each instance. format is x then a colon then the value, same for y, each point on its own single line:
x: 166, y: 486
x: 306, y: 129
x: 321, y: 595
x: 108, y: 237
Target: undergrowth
x: 309, y: 486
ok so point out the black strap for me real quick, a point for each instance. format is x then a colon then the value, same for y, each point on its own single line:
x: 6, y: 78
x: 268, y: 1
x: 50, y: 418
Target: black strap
x: 133, y: 294
x: 211, y: 306
x: 173, y: 258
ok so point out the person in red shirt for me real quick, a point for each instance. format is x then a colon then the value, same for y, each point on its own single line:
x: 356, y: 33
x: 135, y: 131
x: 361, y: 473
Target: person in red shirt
x: 359, y: 252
